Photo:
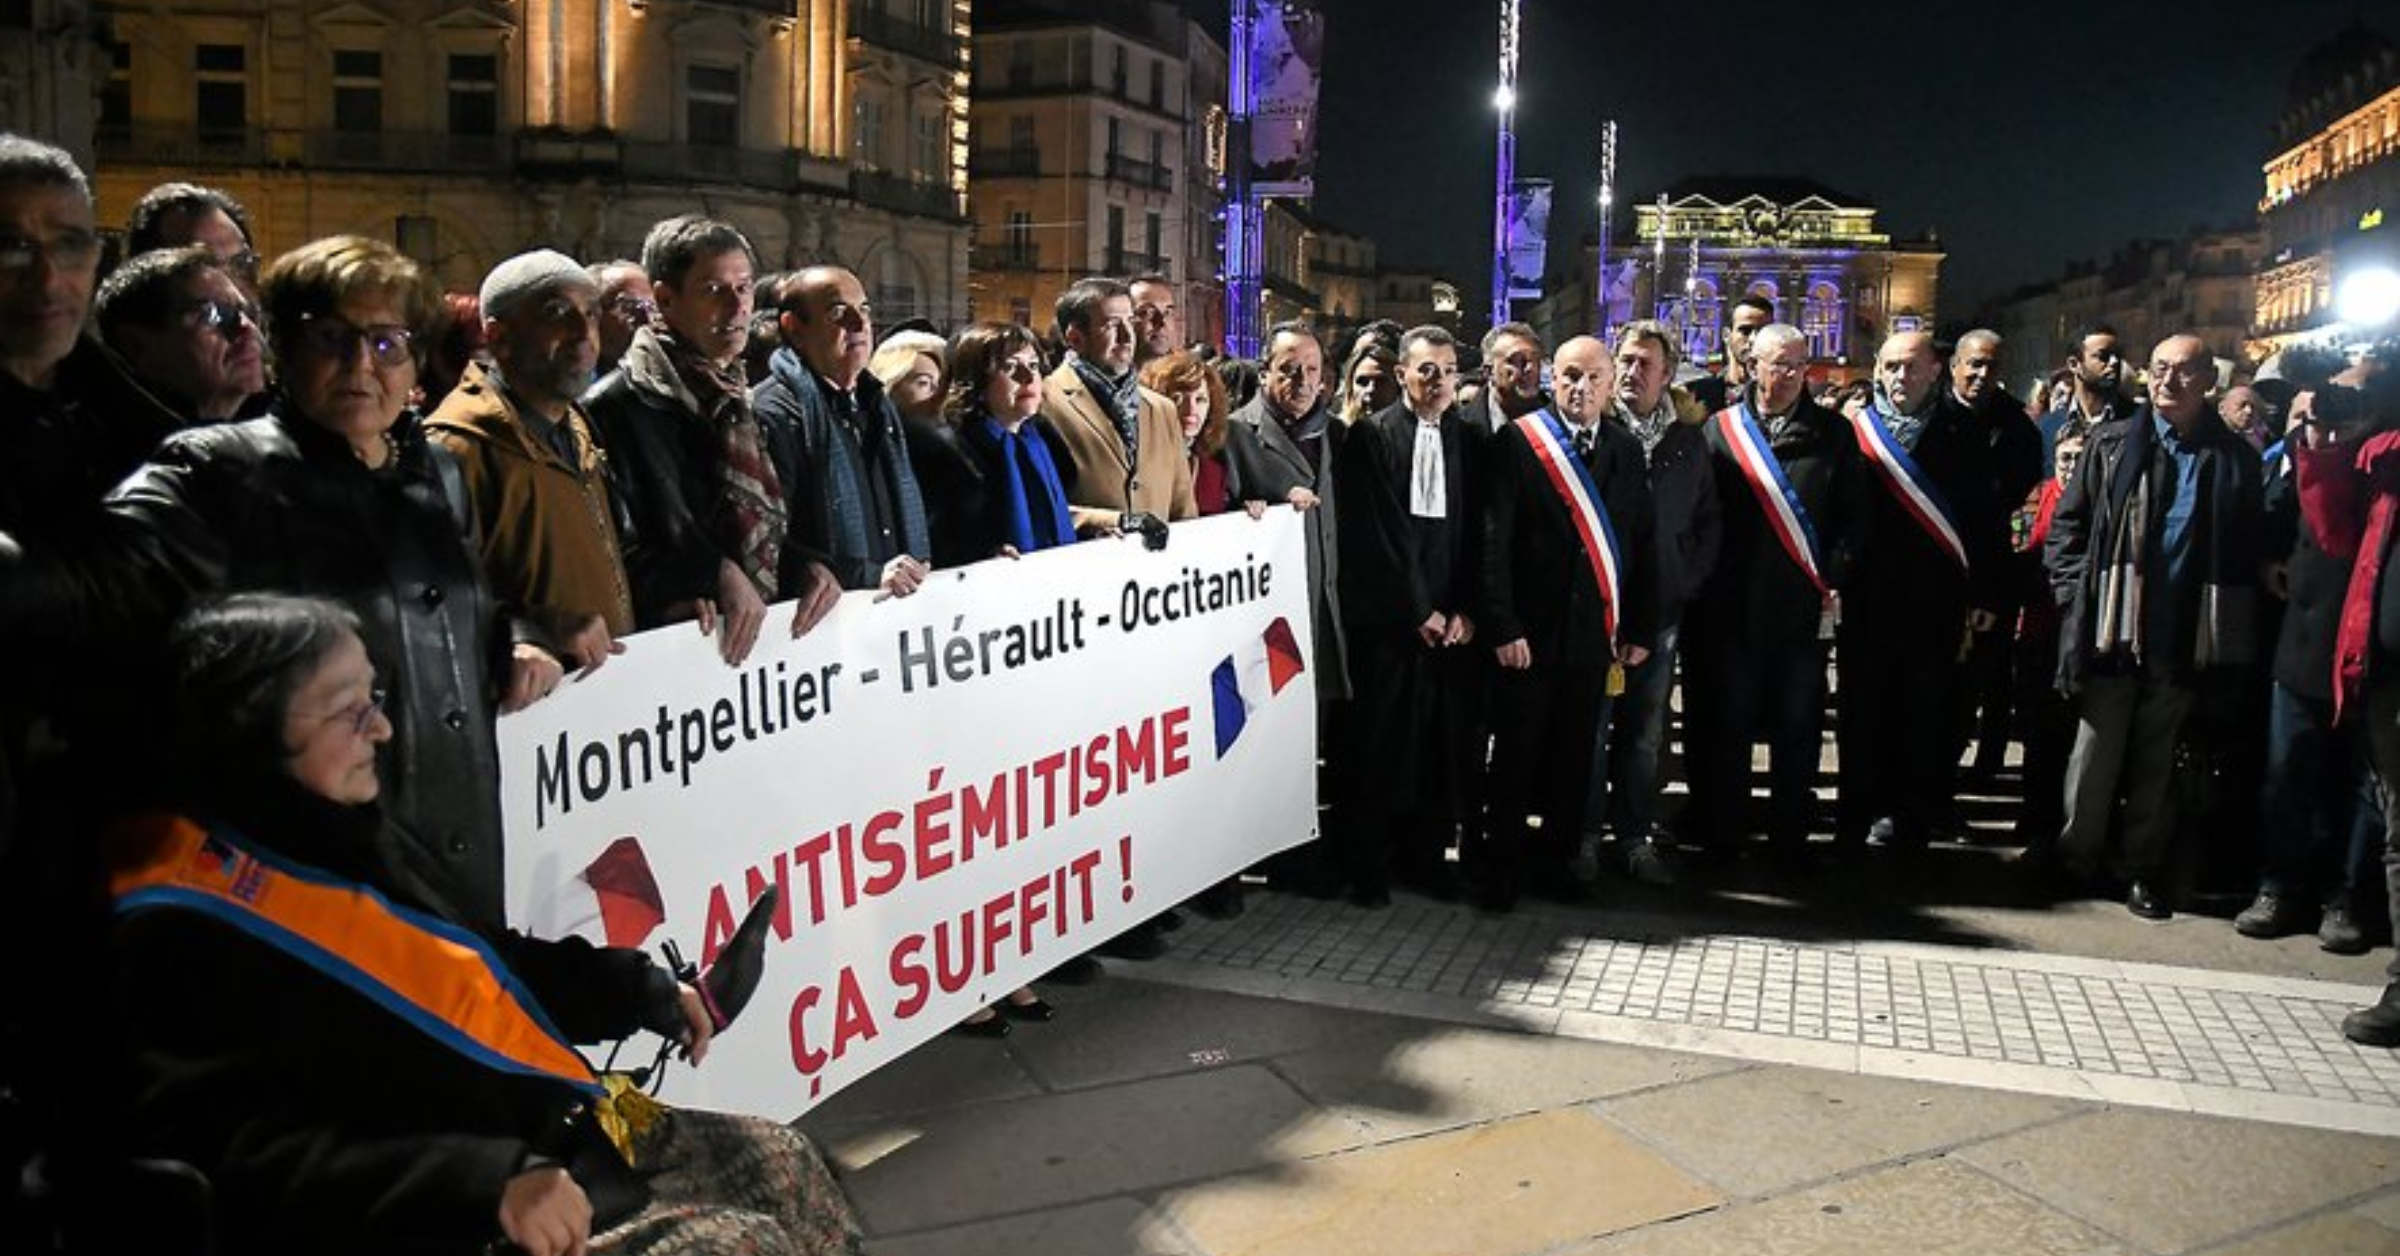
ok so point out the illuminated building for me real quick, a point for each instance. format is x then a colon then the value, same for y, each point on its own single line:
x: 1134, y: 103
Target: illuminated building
x: 466, y: 132
x: 2332, y: 186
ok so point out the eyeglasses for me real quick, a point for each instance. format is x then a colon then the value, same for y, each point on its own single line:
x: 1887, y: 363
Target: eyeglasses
x: 361, y: 715
x: 632, y: 308
x: 226, y: 318
x: 73, y: 250
x: 244, y: 265
x: 387, y: 344
x: 1022, y: 370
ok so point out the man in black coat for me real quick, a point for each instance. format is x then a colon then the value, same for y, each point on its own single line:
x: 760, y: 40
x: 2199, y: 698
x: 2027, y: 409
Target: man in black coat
x: 1755, y: 638
x: 1715, y: 392
x: 1409, y: 478
x: 1560, y: 614
x: 1512, y: 362
x: 1928, y: 570
x: 1987, y: 699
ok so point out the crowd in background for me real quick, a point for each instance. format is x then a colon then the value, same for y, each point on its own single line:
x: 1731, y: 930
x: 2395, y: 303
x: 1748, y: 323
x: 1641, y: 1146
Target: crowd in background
x: 1548, y: 583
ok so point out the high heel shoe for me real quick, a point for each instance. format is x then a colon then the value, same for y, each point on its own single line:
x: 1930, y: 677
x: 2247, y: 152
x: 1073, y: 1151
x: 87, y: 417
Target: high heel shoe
x: 1034, y: 1010
x: 990, y: 1026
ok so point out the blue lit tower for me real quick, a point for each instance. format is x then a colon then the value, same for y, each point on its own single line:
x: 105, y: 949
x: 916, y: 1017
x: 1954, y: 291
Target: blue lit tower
x: 1505, y: 101
x: 1245, y: 224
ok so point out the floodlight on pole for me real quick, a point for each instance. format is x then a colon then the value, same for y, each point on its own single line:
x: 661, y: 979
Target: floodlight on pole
x: 1505, y: 101
x: 1608, y: 201
x: 2368, y: 299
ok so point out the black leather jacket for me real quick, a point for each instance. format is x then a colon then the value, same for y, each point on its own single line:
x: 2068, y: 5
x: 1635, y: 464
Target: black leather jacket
x: 277, y: 503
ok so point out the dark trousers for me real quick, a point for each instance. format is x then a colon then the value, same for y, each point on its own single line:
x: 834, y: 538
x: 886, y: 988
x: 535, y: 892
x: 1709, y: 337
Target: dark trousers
x: 1735, y: 696
x: 2127, y: 727
x: 1897, y: 698
x: 1625, y: 755
x: 2323, y: 822
x: 2383, y: 741
x: 1985, y: 700
x: 1544, y: 721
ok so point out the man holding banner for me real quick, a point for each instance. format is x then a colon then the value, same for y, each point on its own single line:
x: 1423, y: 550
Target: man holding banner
x: 1570, y: 599
x: 1929, y: 573
x: 1792, y: 500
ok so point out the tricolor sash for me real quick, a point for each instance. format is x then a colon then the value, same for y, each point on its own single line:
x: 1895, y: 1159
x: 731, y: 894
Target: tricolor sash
x: 1572, y: 480
x: 1918, y: 497
x: 441, y: 979
x: 1777, y: 499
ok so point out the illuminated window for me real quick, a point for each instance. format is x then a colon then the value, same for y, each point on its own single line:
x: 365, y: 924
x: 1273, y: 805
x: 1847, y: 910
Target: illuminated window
x: 1822, y: 319
x: 712, y: 105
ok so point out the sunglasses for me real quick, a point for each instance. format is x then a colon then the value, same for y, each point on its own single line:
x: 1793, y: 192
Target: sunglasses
x: 387, y: 344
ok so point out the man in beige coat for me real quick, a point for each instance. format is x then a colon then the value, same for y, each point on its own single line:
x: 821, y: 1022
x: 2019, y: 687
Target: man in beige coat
x: 1124, y: 442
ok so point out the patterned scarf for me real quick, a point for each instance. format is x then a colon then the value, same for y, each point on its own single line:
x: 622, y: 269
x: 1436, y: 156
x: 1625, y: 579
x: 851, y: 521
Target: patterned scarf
x: 1649, y: 428
x: 1123, y: 397
x: 748, y: 518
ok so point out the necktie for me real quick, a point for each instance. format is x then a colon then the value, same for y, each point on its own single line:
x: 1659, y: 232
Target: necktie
x: 1583, y: 442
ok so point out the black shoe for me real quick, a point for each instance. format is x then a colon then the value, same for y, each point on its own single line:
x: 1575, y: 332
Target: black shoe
x: 1037, y: 1011
x: 1371, y: 897
x: 2270, y: 915
x: 2141, y: 902
x: 1168, y: 921
x: 992, y: 1026
x: 1222, y: 901
x: 2338, y: 933
x: 1139, y: 942
x: 1438, y: 882
x: 1082, y: 970
x: 2377, y: 1026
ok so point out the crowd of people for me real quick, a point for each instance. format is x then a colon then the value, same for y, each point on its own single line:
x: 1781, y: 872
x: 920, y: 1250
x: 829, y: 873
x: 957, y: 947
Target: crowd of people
x: 340, y: 521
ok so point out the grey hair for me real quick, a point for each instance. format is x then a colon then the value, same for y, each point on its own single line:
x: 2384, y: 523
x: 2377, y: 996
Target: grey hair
x: 1981, y: 335
x: 1775, y: 336
x: 1522, y: 331
x: 24, y: 159
x: 1656, y: 333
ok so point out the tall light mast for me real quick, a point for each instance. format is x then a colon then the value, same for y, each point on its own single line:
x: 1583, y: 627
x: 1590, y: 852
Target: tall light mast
x: 1505, y: 101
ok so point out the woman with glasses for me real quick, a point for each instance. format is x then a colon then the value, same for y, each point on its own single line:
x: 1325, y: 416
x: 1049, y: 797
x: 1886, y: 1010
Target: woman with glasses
x: 348, y: 1068
x: 334, y: 492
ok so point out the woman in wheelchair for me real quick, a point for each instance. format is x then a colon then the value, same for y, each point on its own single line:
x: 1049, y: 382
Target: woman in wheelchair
x: 351, y: 1070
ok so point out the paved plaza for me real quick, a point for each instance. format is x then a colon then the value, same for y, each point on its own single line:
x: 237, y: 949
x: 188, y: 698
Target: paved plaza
x: 1753, y: 1067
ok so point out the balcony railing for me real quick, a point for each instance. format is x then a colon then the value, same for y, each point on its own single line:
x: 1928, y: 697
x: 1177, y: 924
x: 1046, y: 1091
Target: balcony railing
x: 1004, y: 163
x: 182, y: 144
x: 1005, y: 257
x: 1124, y: 169
x: 405, y: 150
x: 1125, y: 262
x: 902, y: 194
x: 1001, y: 81
x: 870, y: 23
x: 769, y: 168
x: 788, y: 9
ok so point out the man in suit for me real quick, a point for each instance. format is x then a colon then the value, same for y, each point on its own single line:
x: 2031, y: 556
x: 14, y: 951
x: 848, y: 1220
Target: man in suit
x: 1410, y: 475
x: 1561, y: 612
x: 1929, y: 568
x: 1755, y: 638
x: 1122, y: 439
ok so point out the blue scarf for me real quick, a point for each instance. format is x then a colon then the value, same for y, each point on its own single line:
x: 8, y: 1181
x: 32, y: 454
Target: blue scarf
x: 1020, y: 504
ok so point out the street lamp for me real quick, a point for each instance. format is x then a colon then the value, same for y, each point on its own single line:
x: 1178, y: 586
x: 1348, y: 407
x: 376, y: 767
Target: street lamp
x: 2369, y: 298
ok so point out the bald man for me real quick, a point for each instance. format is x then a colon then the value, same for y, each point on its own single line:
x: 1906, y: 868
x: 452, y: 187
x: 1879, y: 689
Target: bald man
x: 1559, y: 615
x: 1930, y: 567
x: 2153, y: 556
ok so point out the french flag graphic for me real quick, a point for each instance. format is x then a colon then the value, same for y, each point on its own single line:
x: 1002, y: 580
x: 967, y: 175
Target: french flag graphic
x: 1249, y: 676
x: 624, y: 893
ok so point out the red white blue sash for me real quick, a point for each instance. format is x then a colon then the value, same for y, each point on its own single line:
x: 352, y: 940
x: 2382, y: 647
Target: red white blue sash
x: 1777, y: 499
x: 1918, y: 498
x: 437, y: 977
x: 1572, y: 480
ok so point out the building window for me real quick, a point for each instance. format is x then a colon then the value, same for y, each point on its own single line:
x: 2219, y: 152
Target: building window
x: 116, y: 95
x: 1119, y: 73
x: 712, y: 105
x: 1116, y: 144
x: 1020, y: 311
x: 926, y: 154
x: 1153, y: 236
x: 929, y: 14
x: 1020, y: 234
x: 474, y: 94
x: 1158, y: 161
x: 1020, y: 134
x: 1158, y: 86
x: 357, y: 91
x: 221, y: 89
x: 1823, y: 319
x: 1020, y: 65
x: 866, y: 133
x: 1116, y: 232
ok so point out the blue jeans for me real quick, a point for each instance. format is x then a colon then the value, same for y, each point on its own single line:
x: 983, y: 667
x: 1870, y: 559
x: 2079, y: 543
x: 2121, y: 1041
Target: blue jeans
x: 2323, y: 822
x: 1633, y: 730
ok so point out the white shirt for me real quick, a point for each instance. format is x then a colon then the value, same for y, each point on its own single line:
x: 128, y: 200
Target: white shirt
x: 1428, y: 484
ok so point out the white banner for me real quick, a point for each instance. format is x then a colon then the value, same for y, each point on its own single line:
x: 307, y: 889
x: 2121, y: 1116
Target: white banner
x: 957, y: 790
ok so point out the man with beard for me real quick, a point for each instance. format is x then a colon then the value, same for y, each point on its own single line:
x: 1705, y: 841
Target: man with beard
x: 1791, y: 485
x: 1683, y: 491
x: 2098, y: 367
x: 851, y: 491
x: 1512, y: 362
x: 1927, y: 569
x: 188, y: 333
x: 1715, y: 392
x: 707, y: 510
x: 2153, y: 556
x: 1570, y: 593
x: 535, y: 480
x: 1409, y: 475
x: 2014, y: 446
x: 1123, y: 439
x: 1158, y: 331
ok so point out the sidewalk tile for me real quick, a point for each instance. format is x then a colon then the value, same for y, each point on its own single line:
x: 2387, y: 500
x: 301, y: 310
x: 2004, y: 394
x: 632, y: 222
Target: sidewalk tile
x: 947, y: 1072
x: 1108, y: 1227
x: 1083, y: 1145
x: 1523, y: 1185
x: 1930, y: 1208
x: 1768, y: 1130
x: 1157, y: 1030
x: 2171, y: 1183
x: 1388, y: 1086
x: 2337, y: 1234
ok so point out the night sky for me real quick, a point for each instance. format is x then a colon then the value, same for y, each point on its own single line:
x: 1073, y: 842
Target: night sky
x: 2027, y: 134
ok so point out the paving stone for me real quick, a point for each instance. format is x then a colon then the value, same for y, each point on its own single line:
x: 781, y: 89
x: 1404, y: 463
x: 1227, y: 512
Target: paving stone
x: 1383, y: 1087
x: 2171, y: 1183
x: 2336, y: 1234
x: 1930, y: 1208
x: 946, y: 1072
x: 1523, y: 1185
x: 1767, y: 1130
x: 960, y: 1165
x: 1108, y: 1227
x: 2384, y: 1208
